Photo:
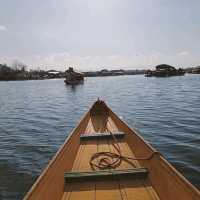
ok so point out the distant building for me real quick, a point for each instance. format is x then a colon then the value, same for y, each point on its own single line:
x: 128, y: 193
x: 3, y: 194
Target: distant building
x: 118, y: 72
x: 105, y: 72
x: 196, y: 70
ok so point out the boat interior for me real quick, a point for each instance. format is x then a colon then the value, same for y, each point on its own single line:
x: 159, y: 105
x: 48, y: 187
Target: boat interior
x: 104, y: 159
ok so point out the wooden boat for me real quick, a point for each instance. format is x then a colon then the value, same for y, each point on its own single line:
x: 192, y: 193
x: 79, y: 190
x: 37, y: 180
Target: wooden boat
x: 73, y: 77
x: 88, y: 165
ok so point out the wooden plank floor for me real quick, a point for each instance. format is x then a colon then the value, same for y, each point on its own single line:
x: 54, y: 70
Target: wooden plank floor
x: 114, y: 189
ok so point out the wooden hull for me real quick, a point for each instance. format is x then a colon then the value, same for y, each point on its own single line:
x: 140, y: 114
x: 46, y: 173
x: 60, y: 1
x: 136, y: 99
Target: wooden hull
x: 163, y: 181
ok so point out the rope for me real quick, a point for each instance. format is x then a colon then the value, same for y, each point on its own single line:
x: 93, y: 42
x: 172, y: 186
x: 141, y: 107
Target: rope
x: 109, y: 160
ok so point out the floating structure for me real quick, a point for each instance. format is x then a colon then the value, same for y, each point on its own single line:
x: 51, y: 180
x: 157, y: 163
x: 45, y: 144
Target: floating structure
x: 164, y: 70
x: 103, y: 158
x: 194, y: 70
x: 73, y: 77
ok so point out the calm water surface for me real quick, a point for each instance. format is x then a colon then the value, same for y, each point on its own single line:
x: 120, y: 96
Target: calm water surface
x: 37, y: 116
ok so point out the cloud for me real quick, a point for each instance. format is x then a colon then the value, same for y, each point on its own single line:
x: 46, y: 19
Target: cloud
x: 183, y: 53
x: 3, y: 28
x: 63, y: 60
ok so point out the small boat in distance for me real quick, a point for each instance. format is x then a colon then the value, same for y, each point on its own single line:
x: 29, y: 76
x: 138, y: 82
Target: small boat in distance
x: 73, y: 77
x: 164, y: 70
x: 103, y: 158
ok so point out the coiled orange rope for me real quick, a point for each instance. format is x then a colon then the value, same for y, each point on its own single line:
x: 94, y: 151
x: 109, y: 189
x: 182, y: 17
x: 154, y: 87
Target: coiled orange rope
x: 110, y: 160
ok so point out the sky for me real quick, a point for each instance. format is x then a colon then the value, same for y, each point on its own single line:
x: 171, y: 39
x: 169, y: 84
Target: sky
x: 98, y: 34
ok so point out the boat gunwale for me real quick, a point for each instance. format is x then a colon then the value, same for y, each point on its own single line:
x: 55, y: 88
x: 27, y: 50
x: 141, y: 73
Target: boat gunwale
x: 134, y: 131
x: 181, y: 179
x: 55, y: 157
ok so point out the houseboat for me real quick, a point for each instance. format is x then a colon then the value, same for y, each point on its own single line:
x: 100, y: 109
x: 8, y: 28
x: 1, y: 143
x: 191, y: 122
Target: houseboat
x: 164, y: 70
x: 73, y: 77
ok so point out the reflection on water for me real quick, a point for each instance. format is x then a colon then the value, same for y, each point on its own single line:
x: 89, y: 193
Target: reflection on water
x: 36, y: 117
x: 73, y: 88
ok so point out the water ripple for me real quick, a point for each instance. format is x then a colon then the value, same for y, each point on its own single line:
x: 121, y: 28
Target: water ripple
x: 37, y: 116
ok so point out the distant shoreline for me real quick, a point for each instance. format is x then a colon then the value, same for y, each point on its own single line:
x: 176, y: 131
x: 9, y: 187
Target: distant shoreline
x: 7, y: 80
x: 20, y: 73
x: 119, y: 72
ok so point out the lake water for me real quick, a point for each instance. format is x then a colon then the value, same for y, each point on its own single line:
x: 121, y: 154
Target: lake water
x: 37, y: 116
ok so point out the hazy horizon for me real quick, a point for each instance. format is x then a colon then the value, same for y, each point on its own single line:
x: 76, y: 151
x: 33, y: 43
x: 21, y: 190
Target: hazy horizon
x: 93, y: 35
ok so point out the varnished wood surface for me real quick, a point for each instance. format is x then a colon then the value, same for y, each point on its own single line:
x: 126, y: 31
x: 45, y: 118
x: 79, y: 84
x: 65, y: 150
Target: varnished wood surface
x: 163, y: 181
x: 112, y: 189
